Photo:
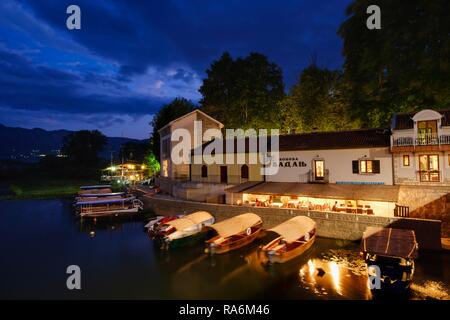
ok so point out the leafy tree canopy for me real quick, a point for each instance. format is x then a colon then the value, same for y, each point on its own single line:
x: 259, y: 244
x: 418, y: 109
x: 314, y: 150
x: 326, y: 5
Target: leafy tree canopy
x: 82, y: 147
x: 243, y: 92
x: 404, y: 66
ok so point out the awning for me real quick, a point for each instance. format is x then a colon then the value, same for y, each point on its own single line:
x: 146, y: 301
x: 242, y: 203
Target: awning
x: 190, y: 220
x: 329, y: 191
x: 294, y: 228
x: 236, y: 224
x: 390, y: 242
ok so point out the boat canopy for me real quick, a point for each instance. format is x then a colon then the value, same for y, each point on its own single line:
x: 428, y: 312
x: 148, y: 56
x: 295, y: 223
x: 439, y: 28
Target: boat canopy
x: 199, y: 216
x: 294, y: 228
x: 115, y: 200
x: 390, y: 242
x: 94, y: 191
x: 190, y: 220
x: 236, y: 224
x: 98, y: 195
x: 103, y: 186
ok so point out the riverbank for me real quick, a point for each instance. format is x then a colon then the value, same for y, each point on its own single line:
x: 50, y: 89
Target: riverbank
x: 41, y: 189
x: 333, y: 225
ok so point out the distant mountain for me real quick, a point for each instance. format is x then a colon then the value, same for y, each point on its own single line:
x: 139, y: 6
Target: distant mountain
x: 27, y: 144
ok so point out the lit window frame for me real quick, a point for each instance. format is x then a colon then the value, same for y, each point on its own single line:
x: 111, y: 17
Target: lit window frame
x: 406, y: 161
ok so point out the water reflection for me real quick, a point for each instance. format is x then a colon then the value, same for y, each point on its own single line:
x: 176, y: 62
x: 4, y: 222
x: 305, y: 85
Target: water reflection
x: 120, y: 262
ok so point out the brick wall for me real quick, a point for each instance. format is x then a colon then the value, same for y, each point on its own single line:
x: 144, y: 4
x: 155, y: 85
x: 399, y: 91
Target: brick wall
x: 329, y: 224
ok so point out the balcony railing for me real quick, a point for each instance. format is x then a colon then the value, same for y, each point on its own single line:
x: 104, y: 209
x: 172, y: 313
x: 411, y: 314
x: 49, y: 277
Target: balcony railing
x: 431, y: 139
x: 429, y: 175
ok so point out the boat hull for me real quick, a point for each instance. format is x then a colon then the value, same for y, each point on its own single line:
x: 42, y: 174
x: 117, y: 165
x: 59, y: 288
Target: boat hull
x: 182, y: 242
x: 109, y: 213
x: 235, y: 245
x: 289, y: 255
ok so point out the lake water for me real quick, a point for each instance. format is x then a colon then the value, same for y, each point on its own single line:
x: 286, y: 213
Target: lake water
x: 40, y: 238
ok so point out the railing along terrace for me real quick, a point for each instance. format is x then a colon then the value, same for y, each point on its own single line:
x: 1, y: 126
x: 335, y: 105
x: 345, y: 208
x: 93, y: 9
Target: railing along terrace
x: 423, y: 140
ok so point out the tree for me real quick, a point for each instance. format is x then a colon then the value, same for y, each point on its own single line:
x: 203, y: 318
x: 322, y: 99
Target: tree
x: 404, y: 66
x: 135, y: 151
x: 168, y: 112
x: 152, y: 164
x: 243, y: 93
x: 82, y: 147
x: 317, y: 102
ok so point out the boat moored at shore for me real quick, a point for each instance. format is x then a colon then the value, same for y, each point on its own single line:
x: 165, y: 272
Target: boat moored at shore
x: 109, y: 207
x: 294, y: 237
x: 389, y: 254
x: 233, y: 233
x: 184, y: 230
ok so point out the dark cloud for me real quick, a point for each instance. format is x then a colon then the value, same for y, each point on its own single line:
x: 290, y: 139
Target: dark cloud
x: 132, y: 56
x: 26, y: 86
x: 137, y: 34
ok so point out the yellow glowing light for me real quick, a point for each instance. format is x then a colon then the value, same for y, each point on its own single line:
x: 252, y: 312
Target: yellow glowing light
x: 113, y: 168
x: 131, y: 166
x: 311, y: 267
x: 335, y: 275
x: 143, y: 167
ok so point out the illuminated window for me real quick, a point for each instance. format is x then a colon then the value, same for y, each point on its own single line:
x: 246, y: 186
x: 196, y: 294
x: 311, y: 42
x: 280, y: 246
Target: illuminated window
x: 406, y: 160
x: 165, y: 168
x: 366, y: 166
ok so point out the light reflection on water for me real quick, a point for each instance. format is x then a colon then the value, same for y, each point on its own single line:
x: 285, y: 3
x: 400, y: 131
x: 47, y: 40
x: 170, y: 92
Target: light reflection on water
x: 120, y: 261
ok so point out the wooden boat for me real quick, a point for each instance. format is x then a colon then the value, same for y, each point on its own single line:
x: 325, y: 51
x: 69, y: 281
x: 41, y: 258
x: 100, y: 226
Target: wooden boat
x: 233, y: 233
x: 392, y: 251
x: 294, y: 237
x: 185, y: 230
x: 153, y: 225
x: 109, y: 207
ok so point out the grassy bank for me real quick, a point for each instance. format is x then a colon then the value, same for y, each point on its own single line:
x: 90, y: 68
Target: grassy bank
x: 44, y: 189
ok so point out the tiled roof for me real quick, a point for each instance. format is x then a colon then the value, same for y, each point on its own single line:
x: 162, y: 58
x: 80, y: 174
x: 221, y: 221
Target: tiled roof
x: 351, y: 139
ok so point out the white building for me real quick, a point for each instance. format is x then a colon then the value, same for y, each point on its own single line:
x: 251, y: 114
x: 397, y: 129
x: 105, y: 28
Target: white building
x: 420, y: 145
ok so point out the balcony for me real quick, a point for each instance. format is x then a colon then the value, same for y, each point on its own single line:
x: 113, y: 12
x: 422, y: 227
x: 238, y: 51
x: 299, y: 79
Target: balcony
x: 427, y: 142
x: 429, y: 175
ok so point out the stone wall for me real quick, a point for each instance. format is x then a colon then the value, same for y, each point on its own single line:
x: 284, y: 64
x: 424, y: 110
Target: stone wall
x: 426, y: 202
x: 329, y: 224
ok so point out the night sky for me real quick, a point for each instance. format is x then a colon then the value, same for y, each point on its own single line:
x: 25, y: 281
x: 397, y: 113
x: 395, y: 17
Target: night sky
x: 130, y: 57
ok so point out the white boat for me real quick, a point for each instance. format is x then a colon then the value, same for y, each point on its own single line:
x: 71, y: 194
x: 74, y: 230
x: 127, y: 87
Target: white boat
x: 153, y: 225
x: 185, y: 230
x: 100, y: 196
x: 109, y: 207
x: 102, y: 186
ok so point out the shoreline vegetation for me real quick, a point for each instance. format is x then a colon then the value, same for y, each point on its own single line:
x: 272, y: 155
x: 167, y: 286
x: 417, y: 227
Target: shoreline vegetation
x: 42, y: 188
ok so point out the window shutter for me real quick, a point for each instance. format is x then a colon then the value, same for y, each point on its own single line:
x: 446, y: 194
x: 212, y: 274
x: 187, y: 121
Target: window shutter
x: 355, y: 165
x: 376, y: 166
